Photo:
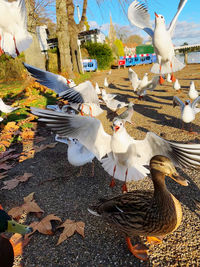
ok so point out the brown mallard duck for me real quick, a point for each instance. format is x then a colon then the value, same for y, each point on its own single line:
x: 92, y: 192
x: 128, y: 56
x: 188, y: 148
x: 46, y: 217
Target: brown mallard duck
x: 145, y: 213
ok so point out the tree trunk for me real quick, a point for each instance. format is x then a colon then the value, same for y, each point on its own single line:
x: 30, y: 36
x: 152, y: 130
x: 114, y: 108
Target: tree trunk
x: 74, y: 30
x: 33, y: 55
x: 63, y: 37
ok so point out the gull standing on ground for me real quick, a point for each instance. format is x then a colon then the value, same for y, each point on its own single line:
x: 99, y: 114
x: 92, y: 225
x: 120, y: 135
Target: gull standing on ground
x: 83, y: 94
x: 169, y: 78
x: 188, y: 110
x: 6, y: 108
x: 126, y: 156
x: 97, y: 89
x: 177, y: 85
x: 112, y: 103
x: 127, y: 114
x: 193, y: 93
x: 106, y: 82
x: 161, y: 37
x: 14, y: 37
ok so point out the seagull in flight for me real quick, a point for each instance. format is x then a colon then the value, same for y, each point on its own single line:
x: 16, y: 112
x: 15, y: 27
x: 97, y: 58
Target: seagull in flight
x: 126, y: 157
x: 161, y: 37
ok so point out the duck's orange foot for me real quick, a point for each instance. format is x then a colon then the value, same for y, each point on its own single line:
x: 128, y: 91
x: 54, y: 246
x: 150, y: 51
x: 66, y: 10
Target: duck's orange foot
x: 124, y: 188
x: 153, y: 240
x: 139, y: 250
x: 1, y: 51
x: 161, y: 80
x: 112, y: 183
x: 173, y: 78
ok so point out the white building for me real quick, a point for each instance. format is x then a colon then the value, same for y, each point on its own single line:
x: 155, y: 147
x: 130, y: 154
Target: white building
x: 42, y: 33
x: 94, y: 36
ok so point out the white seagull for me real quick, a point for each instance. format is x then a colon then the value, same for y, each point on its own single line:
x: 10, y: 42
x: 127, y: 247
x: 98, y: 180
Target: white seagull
x: 188, y: 110
x: 6, y: 108
x: 126, y: 156
x: 111, y: 103
x: 127, y: 114
x: 193, y: 93
x: 106, y: 82
x: 98, y: 91
x: 177, y: 85
x: 140, y: 86
x: 84, y: 93
x: 169, y: 78
x: 14, y: 37
x: 161, y: 37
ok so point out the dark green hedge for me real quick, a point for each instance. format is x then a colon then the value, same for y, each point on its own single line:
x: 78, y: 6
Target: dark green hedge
x: 101, y: 52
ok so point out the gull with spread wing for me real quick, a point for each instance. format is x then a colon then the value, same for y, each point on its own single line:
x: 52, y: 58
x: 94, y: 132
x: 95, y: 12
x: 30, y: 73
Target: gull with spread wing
x: 188, y: 109
x: 127, y: 157
x: 84, y: 93
x: 161, y: 37
x: 14, y: 37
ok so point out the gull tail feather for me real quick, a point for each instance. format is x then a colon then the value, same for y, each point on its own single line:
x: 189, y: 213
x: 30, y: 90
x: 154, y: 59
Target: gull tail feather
x: 176, y: 66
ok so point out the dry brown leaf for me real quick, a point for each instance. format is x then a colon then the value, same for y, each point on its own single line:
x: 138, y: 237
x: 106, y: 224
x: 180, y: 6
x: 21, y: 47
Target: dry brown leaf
x: 38, y: 139
x: 6, y: 153
x: 43, y: 146
x: 3, y: 175
x: 69, y: 229
x: 4, y: 166
x: 14, y: 182
x: 44, y: 226
x: 29, y: 206
x: 27, y: 134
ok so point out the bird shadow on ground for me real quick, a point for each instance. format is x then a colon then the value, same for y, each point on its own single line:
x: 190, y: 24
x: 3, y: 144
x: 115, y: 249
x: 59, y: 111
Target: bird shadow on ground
x: 148, y: 98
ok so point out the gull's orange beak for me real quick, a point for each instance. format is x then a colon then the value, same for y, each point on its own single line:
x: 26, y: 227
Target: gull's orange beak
x: 156, y: 14
x: 116, y: 128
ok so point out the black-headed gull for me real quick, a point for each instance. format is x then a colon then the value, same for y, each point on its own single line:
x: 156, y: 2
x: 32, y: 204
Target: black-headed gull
x: 177, y: 85
x: 106, y: 82
x: 193, y: 93
x: 161, y: 37
x: 126, y: 156
x: 6, y: 108
x: 127, y: 114
x: 140, y: 86
x: 14, y: 37
x: 84, y: 93
x: 188, y: 110
x: 98, y: 91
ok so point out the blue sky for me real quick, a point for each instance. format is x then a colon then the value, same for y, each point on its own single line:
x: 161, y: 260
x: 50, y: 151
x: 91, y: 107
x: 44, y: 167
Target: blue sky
x: 188, y: 25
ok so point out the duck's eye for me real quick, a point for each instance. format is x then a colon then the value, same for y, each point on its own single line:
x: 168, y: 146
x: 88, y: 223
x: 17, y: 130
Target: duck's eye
x: 13, y: 224
x: 161, y: 17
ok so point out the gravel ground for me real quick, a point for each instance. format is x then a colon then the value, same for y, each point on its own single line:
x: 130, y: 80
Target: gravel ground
x: 68, y: 196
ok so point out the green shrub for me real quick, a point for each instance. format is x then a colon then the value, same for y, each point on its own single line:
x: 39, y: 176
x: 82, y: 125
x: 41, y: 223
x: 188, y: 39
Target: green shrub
x: 101, y: 52
x: 118, y: 48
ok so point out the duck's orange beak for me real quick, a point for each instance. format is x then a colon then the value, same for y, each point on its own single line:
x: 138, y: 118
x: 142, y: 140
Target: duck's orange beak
x: 156, y: 14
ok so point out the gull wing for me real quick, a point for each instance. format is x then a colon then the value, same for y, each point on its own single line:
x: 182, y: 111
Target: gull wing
x: 178, y: 102
x: 173, y: 22
x: 138, y: 15
x: 53, y: 81
x: 82, y: 93
x: 135, y: 80
x: 182, y: 155
x: 194, y: 103
x: 89, y: 131
x: 153, y: 83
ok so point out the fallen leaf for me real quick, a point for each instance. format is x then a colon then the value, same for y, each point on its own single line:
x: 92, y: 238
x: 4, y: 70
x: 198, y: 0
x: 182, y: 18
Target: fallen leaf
x: 70, y: 227
x: 3, y: 175
x: 29, y: 206
x: 43, y: 146
x: 5, y: 166
x: 44, y: 226
x: 14, y: 182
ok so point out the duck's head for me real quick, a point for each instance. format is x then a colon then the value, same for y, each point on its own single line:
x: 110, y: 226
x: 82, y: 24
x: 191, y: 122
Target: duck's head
x: 7, y: 224
x: 164, y: 165
x: 159, y: 19
x: 118, y: 125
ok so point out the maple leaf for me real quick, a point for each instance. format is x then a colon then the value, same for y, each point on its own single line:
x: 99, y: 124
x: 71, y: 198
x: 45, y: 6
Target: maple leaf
x: 70, y: 227
x: 45, y: 226
x: 4, y: 166
x: 43, y: 146
x: 14, y: 182
x: 3, y: 175
x: 29, y: 206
